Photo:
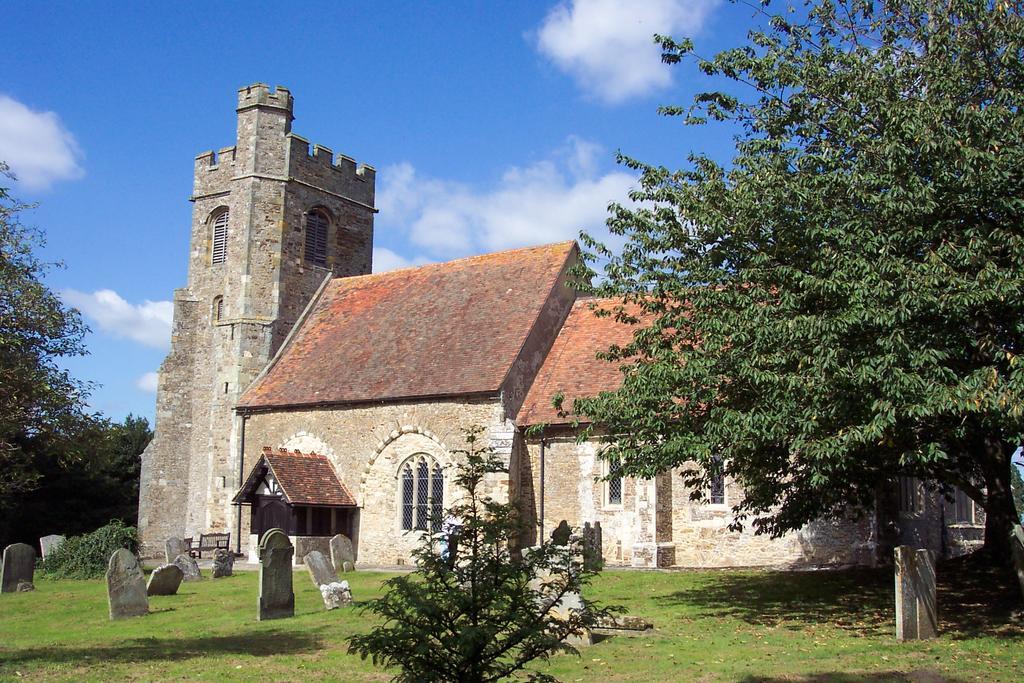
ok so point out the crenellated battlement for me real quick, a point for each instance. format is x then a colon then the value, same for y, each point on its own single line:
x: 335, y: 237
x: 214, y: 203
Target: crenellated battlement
x: 344, y: 167
x: 260, y: 94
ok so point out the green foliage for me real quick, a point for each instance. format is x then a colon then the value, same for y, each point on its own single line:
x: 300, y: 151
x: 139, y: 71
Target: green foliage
x: 86, y: 556
x: 843, y: 303
x: 62, y: 469
x: 42, y: 408
x: 475, y: 616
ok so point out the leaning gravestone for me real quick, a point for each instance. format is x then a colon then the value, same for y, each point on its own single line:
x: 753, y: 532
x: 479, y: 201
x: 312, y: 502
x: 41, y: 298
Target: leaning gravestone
x: 174, y: 547
x: 47, y: 544
x: 336, y: 594
x: 223, y: 563
x: 189, y: 567
x: 126, y: 587
x: 276, y: 599
x: 18, y: 567
x: 342, y: 552
x: 916, y: 608
x: 165, y: 580
x: 320, y: 569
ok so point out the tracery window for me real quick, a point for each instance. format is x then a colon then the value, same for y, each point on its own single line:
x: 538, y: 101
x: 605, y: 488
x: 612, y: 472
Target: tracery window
x: 316, y: 238
x: 421, y: 491
x: 219, y: 252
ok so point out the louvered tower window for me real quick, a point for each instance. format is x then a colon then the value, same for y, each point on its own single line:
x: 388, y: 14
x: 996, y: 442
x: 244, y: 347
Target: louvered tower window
x: 220, y: 238
x: 316, y: 238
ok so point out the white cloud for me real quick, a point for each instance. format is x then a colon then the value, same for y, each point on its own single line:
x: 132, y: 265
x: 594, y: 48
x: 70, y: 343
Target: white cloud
x: 148, y: 382
x: 385, y: 260
x: 148, y: 323
x: 547, y: 201
x: 607, y: 45
x: 37, y: 147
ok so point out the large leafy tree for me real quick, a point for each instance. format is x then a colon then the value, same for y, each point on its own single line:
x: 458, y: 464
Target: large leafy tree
x: 843, y: 303
x: 48, y: 437
x: 42, y: 408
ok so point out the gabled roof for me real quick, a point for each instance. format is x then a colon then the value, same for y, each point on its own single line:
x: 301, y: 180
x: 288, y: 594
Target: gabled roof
x: 445, y: 329
x: 572, y: 367
x: 304, y: 478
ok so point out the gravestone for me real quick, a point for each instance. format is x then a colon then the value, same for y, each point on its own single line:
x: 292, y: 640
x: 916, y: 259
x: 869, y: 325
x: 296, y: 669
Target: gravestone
x: 916, y: 608
x: 189, y: 567
x: 276, y: 599
x: 174, y: 547
x: 348, y: 566
x: 336, y: 594
x: 342, y: 552
x: 47, y: 544
x: 126, y: 586
x: 223, y: 563
x: 1017, y: 550
x: 547, y: 584
x: 320, y: 569
x: 165, y: 580
x: 561, y: 534
x: 18, y: 567
x: 593, y: 558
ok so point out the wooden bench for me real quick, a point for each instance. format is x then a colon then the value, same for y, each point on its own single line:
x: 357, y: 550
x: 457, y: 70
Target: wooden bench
x: 211, y: 542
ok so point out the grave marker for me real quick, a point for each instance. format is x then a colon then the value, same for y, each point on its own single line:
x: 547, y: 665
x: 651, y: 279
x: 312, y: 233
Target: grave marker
x: 276, y: 599
x: 916, y: 608
x: 126, y: 586
x: 19, y: 565
x: 165, y: 580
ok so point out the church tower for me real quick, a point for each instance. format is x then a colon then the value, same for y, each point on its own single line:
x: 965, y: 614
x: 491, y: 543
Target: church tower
x: 271, y: 220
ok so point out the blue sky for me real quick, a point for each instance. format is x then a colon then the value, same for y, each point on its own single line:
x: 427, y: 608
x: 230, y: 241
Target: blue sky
x: 491, y: 125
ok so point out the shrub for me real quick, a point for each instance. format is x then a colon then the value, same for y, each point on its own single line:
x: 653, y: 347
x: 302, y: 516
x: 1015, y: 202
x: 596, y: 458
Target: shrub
x: 86, y: 556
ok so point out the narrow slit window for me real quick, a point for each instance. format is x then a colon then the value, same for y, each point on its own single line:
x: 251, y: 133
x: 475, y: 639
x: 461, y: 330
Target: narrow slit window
x: 614, y: 483
x: 316, y: 238
x: 220, y: 238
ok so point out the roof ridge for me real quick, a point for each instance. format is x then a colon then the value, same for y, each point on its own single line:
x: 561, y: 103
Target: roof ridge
x: 440, y: 264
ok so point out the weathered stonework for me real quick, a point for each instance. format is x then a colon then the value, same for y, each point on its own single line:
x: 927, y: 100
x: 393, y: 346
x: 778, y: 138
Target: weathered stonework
x: 368, y: 444
x: 268, y: 182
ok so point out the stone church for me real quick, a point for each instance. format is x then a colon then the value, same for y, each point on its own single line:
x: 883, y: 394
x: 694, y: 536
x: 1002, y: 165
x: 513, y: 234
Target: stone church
x: 303, y: 392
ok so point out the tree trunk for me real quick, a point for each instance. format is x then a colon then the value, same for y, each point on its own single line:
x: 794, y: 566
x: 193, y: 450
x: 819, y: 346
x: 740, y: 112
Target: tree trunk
x: 1000, y: 512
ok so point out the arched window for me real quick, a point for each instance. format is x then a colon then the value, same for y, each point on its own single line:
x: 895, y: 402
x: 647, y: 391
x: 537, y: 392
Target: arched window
x: 219, y: 253
x: 612, y: 484
x: 218, y: 308
x: 421, y: 492
x: 316, y: 237
x: 716, y: 489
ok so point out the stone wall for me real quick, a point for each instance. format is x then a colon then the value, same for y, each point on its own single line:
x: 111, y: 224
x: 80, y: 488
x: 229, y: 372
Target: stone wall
x: 367, y: 444
x: 657, y: 523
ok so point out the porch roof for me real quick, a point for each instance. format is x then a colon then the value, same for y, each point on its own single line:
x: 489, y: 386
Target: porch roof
x: 304, y: 478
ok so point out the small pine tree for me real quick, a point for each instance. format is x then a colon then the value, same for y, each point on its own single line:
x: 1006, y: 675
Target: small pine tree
x: 476, y: 612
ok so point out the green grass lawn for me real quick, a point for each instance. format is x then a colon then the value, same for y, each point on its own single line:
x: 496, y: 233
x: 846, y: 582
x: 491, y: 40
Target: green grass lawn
x: 710, y: 626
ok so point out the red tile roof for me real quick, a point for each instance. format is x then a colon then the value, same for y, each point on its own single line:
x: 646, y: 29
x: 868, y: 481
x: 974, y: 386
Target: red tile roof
x: 572, y: 366
x: 305, y: 479
x: 439, y: 330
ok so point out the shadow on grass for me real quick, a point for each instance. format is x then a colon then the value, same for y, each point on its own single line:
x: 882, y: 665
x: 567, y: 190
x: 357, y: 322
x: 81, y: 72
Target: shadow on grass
x: 921, y: 676
x: 974, y: 599
x: 259, y: 644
